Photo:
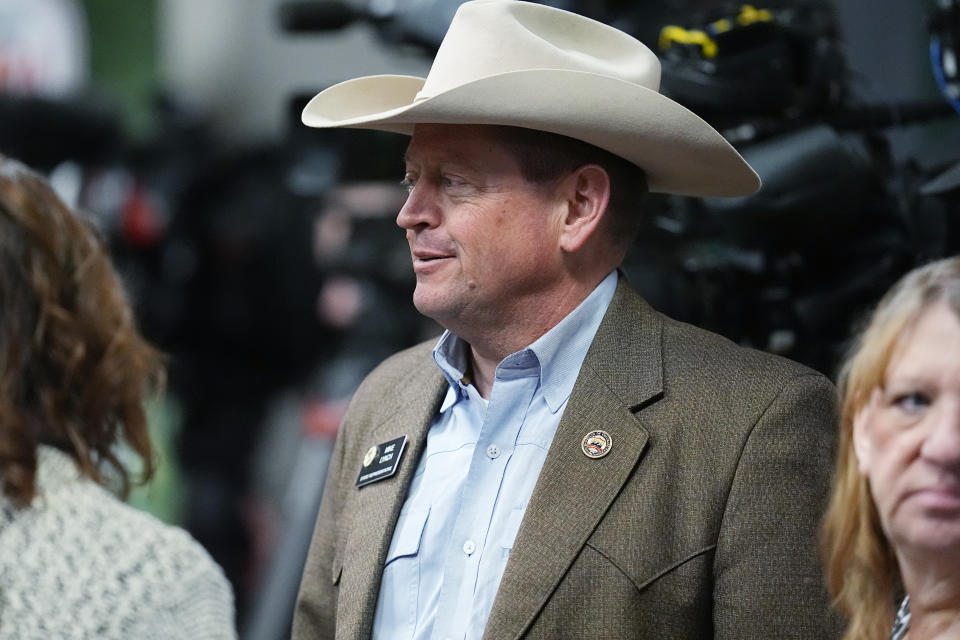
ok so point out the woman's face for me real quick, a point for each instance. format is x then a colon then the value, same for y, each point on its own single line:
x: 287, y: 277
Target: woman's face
x: 907, y: 438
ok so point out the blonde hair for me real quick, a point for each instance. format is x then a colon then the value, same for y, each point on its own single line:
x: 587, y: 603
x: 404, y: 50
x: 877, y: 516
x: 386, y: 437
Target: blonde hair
x: 860, y: 564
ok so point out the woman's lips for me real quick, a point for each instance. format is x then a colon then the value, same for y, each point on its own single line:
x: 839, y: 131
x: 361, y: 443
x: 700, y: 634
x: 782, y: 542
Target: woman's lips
x: 939, y: 498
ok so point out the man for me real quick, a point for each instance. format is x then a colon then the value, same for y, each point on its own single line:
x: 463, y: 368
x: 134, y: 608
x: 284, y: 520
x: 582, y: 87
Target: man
x: 565, y: 462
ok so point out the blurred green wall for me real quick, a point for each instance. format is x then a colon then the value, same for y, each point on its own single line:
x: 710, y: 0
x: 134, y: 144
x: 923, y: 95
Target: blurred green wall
x: 123, y: 57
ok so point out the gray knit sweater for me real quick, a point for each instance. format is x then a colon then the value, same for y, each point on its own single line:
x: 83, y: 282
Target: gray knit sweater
x: 81, y: 564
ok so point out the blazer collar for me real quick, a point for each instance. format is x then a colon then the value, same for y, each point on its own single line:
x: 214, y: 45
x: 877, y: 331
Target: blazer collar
x: 627, y: 352
x: 622, y: 373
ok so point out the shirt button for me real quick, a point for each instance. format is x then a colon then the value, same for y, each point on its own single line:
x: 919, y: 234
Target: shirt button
x: 493, y: 451
x: 469, y: 547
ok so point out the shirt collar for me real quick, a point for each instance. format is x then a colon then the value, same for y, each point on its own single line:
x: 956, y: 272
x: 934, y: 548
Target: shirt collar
x: 450, y: 354
x: 560, y: 351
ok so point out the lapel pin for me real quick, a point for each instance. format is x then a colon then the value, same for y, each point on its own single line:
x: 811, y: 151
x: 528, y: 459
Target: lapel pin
x: 596, y: 444
x: 381, y: 461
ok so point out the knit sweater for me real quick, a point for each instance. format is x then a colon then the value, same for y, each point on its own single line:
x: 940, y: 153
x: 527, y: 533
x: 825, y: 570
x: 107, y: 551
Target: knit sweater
x: 78, y: 563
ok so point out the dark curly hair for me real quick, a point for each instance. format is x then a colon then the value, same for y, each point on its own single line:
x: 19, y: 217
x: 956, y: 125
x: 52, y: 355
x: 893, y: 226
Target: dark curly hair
x: 74, y: 370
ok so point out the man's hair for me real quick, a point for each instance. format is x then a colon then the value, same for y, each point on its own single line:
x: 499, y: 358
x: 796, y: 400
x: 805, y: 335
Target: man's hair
x: 860, y: 563
x: 545, y: 156
x: 74, y: 370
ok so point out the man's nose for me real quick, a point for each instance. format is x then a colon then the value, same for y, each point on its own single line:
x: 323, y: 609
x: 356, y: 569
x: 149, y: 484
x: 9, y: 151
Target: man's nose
x: 942, y: 444
x: 420, y: 209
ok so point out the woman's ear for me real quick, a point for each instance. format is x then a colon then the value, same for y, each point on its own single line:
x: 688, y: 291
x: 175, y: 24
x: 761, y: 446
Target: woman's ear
x: 587, y: 194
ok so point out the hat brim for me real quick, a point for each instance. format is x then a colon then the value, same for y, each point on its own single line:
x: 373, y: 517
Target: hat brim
x: 679, y: 152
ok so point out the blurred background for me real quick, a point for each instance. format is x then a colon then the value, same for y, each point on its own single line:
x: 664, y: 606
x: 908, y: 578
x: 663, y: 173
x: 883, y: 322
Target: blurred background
x: 263, y: 257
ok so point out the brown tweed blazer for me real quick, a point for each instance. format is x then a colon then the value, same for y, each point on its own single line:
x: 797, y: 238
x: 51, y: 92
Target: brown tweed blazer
x: 701, y: 522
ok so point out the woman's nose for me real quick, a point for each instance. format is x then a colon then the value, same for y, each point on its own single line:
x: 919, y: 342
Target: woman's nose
x: 942, y: 443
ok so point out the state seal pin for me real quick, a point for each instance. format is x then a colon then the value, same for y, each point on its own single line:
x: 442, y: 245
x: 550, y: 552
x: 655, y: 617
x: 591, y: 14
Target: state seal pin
x: 596, y: 444
x: 370, y: 455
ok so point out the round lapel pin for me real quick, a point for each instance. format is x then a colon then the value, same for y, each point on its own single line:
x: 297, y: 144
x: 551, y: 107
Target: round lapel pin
x: 370, y: 456
x: 596, y: 444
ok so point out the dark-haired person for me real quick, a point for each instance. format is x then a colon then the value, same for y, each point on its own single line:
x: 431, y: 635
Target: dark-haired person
x: 75, y: 562
x: 565, y: 462
x: 892, y: 532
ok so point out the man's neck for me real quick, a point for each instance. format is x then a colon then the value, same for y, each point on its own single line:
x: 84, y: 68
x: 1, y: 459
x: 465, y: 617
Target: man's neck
x: 517, y: 330
x: 488, y: 351
x: 481, y: 372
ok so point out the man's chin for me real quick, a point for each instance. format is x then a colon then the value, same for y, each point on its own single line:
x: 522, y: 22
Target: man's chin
x: 427, y: 303
x: 434, y: 305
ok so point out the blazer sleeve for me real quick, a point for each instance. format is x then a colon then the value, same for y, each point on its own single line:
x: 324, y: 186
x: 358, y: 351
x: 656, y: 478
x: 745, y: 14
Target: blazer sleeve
x: 316, y: 610
x: 768, y: 580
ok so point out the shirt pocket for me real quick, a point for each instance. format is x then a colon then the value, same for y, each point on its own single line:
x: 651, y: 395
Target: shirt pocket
x: 407, y: 534
x: 397, y: 603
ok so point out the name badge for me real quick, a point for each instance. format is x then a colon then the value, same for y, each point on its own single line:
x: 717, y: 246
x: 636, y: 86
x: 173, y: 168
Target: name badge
x: 381, y: 461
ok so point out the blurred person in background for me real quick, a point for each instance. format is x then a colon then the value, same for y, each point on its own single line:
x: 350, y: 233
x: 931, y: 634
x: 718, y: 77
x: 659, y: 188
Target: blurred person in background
x: 565, y: 462
x: 892, y: 531
x: 75, y: 562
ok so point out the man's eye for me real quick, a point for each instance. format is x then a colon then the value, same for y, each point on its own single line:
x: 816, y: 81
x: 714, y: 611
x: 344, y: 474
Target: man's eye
x: 452, y: 181
x: 407, y: 183
x: 912, y: 402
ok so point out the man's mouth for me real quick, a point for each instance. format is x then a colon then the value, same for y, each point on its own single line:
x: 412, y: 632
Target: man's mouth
x: 429, y: 256
x: 426, y: 261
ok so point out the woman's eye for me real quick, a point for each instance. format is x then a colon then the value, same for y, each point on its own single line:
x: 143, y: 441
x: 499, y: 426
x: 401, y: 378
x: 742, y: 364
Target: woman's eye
x: 912, y: 401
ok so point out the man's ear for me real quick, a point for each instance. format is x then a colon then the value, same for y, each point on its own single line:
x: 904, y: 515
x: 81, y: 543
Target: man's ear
x: 587, y: 193
x: 861, y: 432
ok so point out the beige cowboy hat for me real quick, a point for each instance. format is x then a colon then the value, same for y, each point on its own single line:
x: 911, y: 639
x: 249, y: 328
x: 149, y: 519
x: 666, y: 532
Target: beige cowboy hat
x: 504, y: 62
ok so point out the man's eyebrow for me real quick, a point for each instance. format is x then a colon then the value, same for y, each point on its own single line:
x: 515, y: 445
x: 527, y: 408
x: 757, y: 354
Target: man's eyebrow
x: 451, y: 156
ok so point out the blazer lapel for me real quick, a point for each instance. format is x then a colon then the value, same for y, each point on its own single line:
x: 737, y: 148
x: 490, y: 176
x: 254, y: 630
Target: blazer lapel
x: 573, y: 491
x: 406, y: 411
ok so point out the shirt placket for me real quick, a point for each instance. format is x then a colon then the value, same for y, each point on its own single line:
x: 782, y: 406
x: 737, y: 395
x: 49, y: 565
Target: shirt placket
x: 510, y: 398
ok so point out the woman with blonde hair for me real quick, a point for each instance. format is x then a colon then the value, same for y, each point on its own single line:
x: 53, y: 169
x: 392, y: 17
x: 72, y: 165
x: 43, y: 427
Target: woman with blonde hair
x: 75, y: 562
x: 891, y: 535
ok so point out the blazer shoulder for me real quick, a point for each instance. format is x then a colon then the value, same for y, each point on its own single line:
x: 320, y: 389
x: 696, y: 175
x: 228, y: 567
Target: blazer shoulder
x: 702, y: 355
x: 401, y: 365
x: 642, y: 354
x: 391, y: 382
x: 712, y: 385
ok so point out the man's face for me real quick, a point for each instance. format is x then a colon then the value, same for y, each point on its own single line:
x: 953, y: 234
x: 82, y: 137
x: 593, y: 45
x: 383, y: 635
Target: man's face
x: 484, y: 240
x: 908, y: 437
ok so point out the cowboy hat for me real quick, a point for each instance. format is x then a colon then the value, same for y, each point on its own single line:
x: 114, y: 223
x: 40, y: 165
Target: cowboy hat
x: 504, y: 62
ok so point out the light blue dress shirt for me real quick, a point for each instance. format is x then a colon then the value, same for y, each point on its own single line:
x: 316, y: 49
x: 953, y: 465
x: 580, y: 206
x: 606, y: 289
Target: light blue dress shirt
x: 477, y: 473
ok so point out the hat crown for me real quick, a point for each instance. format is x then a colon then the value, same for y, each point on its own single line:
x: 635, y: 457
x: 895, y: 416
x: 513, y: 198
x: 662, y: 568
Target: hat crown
x: 514, y: 63
x: 492, y: 37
